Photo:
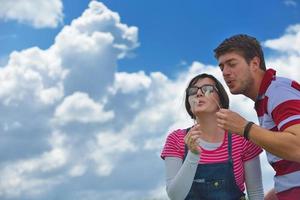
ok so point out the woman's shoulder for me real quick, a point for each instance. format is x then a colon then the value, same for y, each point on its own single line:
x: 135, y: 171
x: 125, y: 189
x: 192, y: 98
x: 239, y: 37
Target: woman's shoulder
x: 238, y: 137
x: 174, y: 145
x: 178, y: 133
x: 246, y: 146
x: 237, y: 140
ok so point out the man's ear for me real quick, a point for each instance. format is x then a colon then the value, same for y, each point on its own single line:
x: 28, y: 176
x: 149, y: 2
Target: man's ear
x: 255, y: 63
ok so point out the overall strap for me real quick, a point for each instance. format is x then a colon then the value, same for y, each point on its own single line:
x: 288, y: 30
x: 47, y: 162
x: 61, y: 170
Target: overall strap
x: 229, y: 146
x: 185, y: 146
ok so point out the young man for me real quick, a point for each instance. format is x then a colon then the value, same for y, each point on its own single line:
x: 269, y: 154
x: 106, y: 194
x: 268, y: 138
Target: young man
x: 277, y: 103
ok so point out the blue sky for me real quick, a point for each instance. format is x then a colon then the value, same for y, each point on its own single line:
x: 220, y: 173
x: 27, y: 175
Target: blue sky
x: 90, y: 89
x: 182, y: 31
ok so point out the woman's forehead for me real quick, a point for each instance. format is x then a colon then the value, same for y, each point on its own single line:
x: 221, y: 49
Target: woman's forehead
x: 204, y: 81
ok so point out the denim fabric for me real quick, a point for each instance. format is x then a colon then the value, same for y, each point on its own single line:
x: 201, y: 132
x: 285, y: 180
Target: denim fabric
x: 215, y: 181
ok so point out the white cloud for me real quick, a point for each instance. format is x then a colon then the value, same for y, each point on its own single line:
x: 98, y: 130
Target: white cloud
x: 158, y: 193
x: 288, y: 60
x: 90, y: 47
x: 109, y: 137
x: 288, y: 43
x: 77, y: 170
x: 101, y: 18
x: 83, y: 58
x: 80, y: 108
x: 107, y: 149
x: 24, y: 175
x: 131, y: 82
x: 33, y: 75
x: 290, y: 3
x: 40, y: 14
x: 65, y: 82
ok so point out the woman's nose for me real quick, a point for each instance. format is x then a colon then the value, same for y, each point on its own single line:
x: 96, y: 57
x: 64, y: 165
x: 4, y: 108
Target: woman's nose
x: 199, y: 93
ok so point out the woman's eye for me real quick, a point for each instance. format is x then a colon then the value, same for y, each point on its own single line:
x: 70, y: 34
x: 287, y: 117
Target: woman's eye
x: 193, y: 91
x: 207, y: 93
x: 209, y: 90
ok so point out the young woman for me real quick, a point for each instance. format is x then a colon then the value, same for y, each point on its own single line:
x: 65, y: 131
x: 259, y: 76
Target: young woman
x: 204, y: 161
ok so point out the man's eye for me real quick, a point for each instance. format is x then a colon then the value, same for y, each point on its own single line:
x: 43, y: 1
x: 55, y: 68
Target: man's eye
x: 232, y: 64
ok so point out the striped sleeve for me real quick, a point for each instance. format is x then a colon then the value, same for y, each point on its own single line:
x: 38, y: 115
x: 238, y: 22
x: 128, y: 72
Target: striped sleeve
x: 285, y: 108
x: 174, y: 146
x: 250, y: 150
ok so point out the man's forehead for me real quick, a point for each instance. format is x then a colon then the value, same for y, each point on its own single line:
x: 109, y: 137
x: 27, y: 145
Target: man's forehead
x: 228, y: 57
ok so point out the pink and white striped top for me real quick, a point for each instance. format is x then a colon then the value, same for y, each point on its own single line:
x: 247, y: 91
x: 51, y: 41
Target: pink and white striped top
x: 242, y: 150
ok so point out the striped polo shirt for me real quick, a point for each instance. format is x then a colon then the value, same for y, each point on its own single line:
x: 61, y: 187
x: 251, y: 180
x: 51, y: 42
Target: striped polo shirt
x: 278, y: 107
x: 242, y: 150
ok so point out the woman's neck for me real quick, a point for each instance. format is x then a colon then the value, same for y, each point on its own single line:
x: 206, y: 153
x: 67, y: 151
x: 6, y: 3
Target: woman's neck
x: 208, y: 125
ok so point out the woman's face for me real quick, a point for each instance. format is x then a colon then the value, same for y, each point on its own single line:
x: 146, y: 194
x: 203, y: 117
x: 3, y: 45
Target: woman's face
x: 203, y: 97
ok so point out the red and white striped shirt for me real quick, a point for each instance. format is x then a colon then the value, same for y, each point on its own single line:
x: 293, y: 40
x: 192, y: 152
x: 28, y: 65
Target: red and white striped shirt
x: 277, y: 108
x: 242, y: 150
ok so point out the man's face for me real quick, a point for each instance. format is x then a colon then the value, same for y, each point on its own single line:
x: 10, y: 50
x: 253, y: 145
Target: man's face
x: 236, y: 72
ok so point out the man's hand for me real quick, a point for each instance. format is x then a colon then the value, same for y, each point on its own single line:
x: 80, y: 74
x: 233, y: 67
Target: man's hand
x: 231, y: 121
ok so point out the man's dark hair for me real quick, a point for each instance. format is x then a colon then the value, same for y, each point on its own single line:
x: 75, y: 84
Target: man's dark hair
x: 224, y: 100
x: 245, y: 45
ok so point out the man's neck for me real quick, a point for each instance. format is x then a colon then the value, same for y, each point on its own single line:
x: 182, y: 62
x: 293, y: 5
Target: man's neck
x: 254, y: 89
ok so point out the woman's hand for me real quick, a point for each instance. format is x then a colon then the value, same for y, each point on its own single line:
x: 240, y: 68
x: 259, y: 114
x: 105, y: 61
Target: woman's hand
x: 191, y: 139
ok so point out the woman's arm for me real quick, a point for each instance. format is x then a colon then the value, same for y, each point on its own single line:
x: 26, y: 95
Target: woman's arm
x: 180, y: 176
x: 253, y: 179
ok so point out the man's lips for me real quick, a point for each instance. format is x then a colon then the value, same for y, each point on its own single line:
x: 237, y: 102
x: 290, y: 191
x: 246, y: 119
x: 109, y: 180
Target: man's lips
x: 230, y: 83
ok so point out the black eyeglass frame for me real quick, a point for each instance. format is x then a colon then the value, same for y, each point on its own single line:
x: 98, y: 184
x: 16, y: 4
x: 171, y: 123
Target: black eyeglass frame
x: 193, y: 90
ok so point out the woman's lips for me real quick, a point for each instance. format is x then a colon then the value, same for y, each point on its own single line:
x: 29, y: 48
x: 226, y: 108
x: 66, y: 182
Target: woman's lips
x: 200, y: 102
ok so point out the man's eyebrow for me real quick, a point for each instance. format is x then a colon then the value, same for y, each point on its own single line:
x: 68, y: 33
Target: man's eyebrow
x: 227, y: 61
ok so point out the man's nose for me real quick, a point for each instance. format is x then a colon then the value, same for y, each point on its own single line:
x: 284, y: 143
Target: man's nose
x: 226, y: 71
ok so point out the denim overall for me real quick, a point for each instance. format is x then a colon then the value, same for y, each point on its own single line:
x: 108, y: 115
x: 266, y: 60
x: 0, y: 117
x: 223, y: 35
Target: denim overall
x: 215, y: 181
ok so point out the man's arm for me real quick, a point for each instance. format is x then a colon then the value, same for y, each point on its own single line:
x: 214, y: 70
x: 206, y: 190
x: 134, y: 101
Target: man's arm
x: 284, y: 144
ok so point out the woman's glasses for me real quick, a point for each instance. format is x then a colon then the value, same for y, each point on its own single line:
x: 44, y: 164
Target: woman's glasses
x: 205, y: 89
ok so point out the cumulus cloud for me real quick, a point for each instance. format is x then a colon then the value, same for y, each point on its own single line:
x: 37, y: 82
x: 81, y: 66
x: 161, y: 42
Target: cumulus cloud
x: 39, y: 14
x: 131, y: 82
x: 288, y: 45
x: 23, y: 176
x: 34, y: 75
x: 77, y: 127
x: 89, y: 48
x: 66, y: 84
x: 290, y: 3
x: 80, y: 108
x: 283, y: 44
x: 105, y: 151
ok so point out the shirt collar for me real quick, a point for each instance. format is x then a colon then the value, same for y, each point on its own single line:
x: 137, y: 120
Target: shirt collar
x: 267, y: 79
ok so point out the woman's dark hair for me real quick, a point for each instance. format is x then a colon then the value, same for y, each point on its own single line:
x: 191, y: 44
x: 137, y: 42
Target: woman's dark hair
x: 224, y: 100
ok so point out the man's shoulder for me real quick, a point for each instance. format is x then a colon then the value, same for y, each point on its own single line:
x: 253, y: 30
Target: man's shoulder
x: 281, y: 81
x: 279, y: 84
